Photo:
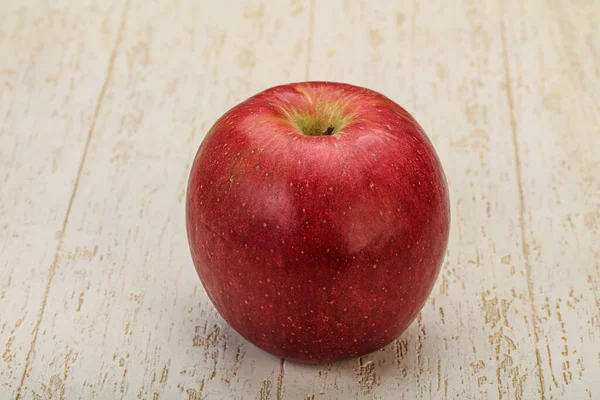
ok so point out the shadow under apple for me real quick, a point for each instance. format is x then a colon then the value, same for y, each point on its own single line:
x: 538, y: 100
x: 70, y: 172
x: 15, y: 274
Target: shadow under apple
x: 405, y: 365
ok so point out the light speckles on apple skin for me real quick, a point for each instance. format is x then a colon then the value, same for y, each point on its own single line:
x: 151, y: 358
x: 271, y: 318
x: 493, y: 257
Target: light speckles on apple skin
x: 318, y: 251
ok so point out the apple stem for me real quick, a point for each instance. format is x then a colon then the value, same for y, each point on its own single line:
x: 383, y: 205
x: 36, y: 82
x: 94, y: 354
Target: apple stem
x: 329, y: 131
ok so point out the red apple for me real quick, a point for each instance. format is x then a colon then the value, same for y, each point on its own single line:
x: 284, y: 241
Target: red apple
x: 318, y: 218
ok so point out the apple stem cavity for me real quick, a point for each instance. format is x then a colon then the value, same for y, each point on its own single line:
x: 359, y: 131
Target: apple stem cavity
x: 324, y: 118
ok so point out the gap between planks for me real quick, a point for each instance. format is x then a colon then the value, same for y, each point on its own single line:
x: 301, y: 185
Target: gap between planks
x: 309, y: 40
x: 519, y: 173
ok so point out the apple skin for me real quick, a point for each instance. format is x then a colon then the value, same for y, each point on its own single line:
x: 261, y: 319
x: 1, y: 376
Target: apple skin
x: 317, y: 248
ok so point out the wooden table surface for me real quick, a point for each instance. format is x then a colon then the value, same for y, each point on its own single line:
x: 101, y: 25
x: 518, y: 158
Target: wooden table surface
x: 104, y: 103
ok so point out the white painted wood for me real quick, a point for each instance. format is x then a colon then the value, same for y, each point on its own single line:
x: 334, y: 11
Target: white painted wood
x: 103, y: 105
x: 554, y: 85
x: 53, y: 62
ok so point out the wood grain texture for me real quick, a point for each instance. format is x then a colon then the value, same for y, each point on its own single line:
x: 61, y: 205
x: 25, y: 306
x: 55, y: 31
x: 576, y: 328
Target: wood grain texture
x: 50, y: 80
x: 554, y: 86
x: 103, y: 105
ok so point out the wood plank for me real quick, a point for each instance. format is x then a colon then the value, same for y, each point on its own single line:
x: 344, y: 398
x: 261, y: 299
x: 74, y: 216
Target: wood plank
x: 444, y: 62
x: 554, y: 86
x: 126, y: 316
x: 53, y: 64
